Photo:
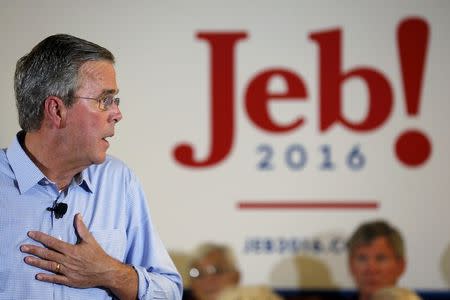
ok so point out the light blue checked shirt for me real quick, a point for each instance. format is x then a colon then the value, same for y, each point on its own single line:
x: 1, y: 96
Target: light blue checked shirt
x: 114, y: 208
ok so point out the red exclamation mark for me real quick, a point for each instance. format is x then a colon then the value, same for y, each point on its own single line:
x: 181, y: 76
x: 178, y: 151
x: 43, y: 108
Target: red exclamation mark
x: 412, y: 147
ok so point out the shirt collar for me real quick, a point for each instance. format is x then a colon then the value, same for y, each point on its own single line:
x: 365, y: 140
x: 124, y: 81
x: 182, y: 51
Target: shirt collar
x: 27, y: 173
x: 82, y: 179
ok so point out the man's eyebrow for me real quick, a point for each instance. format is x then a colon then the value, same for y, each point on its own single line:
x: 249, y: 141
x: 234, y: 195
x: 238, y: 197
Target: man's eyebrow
x: 110, y: 92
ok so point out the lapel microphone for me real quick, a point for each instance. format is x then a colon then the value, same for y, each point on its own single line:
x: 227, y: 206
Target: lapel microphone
x: 59, y: 209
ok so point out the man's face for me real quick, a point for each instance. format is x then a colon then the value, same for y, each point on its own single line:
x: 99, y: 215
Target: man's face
x: 87, y: 126
x: 209, y: 284
x: 375, y: 265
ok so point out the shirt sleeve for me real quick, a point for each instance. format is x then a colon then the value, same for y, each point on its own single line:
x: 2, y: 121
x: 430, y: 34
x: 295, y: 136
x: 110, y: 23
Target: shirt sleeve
x: 158, y: 276
x: 155, y: 286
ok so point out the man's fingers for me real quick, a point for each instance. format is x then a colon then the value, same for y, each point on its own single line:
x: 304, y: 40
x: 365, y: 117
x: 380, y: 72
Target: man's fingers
x: 44, y: 253
x: 51, y: 266
x: 49, y: 241
x: 81, y: 229
x: 60, y: 279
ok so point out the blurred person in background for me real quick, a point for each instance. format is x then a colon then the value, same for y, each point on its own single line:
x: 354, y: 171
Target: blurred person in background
x: 249, y: 293
x: 376, y: 257
x: 213, y: 268
x: 395, y: 293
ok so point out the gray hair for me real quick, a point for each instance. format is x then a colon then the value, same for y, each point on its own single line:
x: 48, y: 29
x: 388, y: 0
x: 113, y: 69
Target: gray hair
x: 367, y: 232
x: 207, y: 248
x: 51, y: 69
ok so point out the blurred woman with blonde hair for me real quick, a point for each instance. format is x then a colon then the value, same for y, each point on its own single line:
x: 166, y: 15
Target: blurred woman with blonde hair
x: 249, y: 293
x: 395, y: 293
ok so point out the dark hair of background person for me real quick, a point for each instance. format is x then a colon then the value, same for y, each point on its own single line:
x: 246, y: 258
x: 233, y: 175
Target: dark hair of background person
x: 369, y: 231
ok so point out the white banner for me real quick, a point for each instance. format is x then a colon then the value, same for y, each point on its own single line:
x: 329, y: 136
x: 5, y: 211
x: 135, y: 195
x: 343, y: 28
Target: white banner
x: 275, y: 127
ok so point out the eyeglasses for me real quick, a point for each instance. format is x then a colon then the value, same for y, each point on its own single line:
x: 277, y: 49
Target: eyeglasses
x: 104, y: 102
x: 210, y: 270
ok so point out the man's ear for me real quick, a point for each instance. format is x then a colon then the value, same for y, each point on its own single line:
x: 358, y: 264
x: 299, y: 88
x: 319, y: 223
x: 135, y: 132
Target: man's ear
x: 401, y: 266
x: 350, y: 265
x: 55, y: 112
x: 237, y: 278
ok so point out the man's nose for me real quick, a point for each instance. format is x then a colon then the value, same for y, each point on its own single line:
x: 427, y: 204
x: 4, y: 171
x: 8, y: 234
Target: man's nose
x: 116, y: 113
x: 372, y: 265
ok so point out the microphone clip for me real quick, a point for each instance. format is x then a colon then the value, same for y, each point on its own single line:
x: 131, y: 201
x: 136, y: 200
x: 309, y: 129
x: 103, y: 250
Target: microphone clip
x: 59, y: 209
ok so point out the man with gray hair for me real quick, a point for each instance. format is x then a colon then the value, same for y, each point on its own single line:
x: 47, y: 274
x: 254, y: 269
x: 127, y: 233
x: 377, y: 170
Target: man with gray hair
x: 213, y: 268
x: 56, y: 170
x: 376, y: 257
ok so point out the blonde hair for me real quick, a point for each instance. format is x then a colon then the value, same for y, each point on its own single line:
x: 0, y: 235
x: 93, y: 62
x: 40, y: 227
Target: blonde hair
x: 249, y: 293
x: 395, y: 293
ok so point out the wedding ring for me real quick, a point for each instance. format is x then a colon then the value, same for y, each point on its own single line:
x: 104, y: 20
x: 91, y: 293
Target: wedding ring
x: 58, y: 266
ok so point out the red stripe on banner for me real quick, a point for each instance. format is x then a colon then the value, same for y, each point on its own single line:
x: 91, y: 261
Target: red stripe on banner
x: 308, y: 205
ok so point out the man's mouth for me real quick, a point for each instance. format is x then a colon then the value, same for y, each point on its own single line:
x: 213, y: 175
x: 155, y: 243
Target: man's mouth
x: 106, y: 138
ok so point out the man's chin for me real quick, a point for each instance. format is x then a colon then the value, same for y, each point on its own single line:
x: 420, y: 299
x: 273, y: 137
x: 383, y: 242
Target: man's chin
x: 212, y: 295
x: 369, y: 289
x: 99, y: 159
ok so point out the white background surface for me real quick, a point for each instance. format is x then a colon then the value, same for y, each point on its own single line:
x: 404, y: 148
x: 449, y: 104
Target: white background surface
x: 163, y: 76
